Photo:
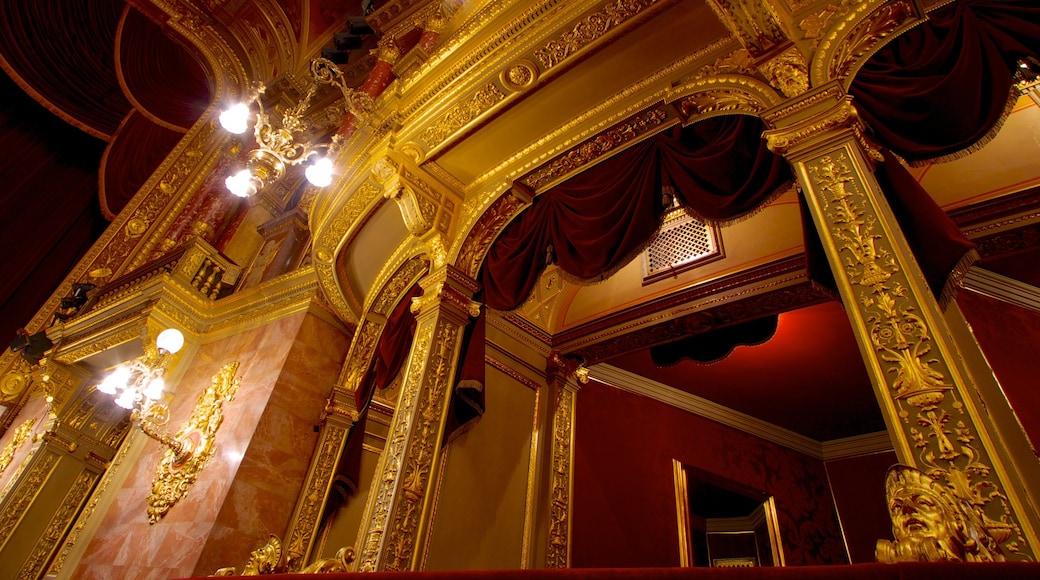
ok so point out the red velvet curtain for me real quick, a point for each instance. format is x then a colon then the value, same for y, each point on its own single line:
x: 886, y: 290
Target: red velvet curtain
x: 391, y: 350
x: 595, y: 222
x: 943, y: 86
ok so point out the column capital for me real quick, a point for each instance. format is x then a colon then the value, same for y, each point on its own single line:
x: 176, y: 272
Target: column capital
x: 801, y: 127
x: 447, y: 289
x: 566, y: 371
x: 340, y: 407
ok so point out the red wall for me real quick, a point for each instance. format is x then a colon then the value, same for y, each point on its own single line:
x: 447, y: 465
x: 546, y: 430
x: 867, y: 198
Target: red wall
x: 624, y: 499
x: 1010, y: 338
x: 858, y: 485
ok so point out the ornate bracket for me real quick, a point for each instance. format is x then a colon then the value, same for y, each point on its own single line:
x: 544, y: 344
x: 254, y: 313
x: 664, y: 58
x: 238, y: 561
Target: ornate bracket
x: 194, y: 445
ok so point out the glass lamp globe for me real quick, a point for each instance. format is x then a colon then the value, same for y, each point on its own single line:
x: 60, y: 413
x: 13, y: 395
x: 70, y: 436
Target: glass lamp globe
x: 319, y: 173
x: 171, y: 340
x: 241, y: 184
x: 154, y: 390
x: 115, y: 381
x: 235, y: 119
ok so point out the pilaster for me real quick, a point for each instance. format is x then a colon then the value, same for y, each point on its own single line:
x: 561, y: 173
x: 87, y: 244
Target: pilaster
x: 397, y: 516
x: 928, y: 398
x: 564, y: 376
x: 337, y: 421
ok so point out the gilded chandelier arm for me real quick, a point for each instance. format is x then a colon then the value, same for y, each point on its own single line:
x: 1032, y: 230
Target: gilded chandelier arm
x: 150, y: 429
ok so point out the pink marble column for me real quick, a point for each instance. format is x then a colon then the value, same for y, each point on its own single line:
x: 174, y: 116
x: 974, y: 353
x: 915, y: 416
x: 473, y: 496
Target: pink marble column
x: 380, y: 77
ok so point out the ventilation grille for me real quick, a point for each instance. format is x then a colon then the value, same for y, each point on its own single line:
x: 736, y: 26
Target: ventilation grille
x: 682, y: 243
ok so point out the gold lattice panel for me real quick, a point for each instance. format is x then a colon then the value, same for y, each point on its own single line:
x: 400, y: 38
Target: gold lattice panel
x: 683, y: 242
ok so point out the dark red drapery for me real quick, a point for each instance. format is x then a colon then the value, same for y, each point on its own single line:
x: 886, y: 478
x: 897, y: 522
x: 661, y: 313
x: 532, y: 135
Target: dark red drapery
x: 941, y: 88
x: 391, y: 350
x: 595, y: 222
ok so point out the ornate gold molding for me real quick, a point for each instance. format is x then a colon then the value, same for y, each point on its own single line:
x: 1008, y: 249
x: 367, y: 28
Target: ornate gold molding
x: 42, y: 464
x: 491, y: 222
x: 840, y: 115
x: 332, y: 235
x: 753, y: 22
x: 175, y: 472
x: 313, y: 496
x: 417, y: 466
x: 558, y: 554
x: 576, y: 158
x: 724, y: 95
x: 59, y: 523
x: 589, y: 29
x: 461, y: 114
x: 384, y: 491
x: 21, y: 435
x: 855, y: 37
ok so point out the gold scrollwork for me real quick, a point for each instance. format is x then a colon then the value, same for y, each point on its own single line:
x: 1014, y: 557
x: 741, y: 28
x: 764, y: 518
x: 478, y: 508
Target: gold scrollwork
x: 176, y: 472
x: 596, y: 147
x: 21, y: 434
x: 490, y: 223
x: 560, y: 498
x: 425, y: 441
x: 590, y: 28
x: 321, y: 475
x: 462, y: 114
x: 393, y: 457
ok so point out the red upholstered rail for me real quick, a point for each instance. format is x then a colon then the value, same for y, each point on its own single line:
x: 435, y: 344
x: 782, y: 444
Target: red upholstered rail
x: 939, y: 571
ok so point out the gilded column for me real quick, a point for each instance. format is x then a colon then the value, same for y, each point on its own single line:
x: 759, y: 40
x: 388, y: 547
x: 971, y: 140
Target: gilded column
x: 397, y: 516
x: 564, y: 376
x: 927, y: 397
x: 338, y: 420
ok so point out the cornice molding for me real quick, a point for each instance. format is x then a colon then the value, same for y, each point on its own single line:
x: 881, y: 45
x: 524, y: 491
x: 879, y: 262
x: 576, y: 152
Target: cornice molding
x: 635, y: 384
x: 856, y: 446
x: 846, y: 447
x: 989, y: 283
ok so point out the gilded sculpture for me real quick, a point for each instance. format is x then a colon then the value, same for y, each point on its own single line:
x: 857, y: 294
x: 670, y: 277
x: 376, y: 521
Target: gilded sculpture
x: 932, y: 522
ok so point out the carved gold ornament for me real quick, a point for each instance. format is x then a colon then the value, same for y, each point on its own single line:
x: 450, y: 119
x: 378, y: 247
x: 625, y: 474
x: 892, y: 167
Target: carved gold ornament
x: 21, y: 434
x: 178, y: 470
x: 272, y: 558
x: 931, y: 522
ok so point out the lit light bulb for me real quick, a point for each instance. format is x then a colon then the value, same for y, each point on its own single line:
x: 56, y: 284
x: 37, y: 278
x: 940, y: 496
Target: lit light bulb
x: 154, y: 390
x: 319, y: 173
x: 116, y: 381
x: 126, y: 400
x: 171, y: 340
x: 235, y: 119
x: 241, y: 184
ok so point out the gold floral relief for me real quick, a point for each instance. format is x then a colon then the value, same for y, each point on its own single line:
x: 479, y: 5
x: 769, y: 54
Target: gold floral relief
x: 558, y: 555
x: 318, y: 481
x: 378, y: 512
x: 425, y: 442
x: 934, y: 419
x: 461, y: 114
x: 177, y: 472
x: 21, y: 435
x: 589, y: 29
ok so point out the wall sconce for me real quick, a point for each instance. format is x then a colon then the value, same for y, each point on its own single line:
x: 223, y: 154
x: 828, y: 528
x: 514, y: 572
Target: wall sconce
x: 138, y: 385
x: 280, y: 147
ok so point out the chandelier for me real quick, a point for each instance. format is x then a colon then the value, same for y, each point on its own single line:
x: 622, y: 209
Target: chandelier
x: 282, y: 146
x: 138, y: 385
